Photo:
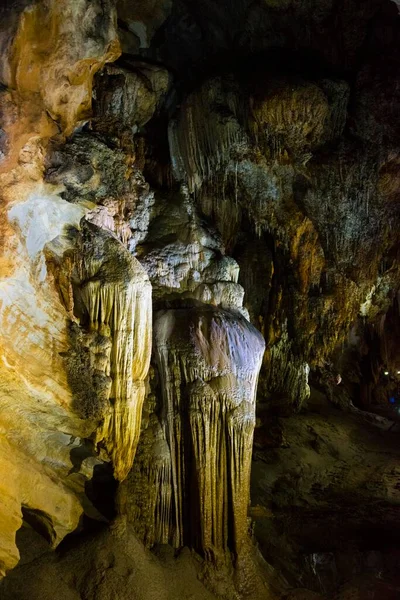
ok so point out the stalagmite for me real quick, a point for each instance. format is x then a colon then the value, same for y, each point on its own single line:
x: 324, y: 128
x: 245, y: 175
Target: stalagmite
x: 150, y: 486
x: 208, y: 360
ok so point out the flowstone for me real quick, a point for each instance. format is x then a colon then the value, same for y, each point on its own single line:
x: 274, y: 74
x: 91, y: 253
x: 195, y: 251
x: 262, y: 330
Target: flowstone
x: 108, y: 295
x: 208, y: 360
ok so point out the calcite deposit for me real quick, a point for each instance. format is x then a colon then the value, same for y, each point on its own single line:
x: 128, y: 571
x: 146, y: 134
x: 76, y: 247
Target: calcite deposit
x: 199, y: 299
x: 208, y: 361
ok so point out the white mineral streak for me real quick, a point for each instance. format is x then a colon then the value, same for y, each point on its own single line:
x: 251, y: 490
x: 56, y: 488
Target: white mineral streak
x: 116, y: 294
x: 367, y: 304
x: 42, y: 217
x: 209, y: 360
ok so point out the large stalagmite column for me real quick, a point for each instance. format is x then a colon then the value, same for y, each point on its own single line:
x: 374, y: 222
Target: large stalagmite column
x: 208, y: 360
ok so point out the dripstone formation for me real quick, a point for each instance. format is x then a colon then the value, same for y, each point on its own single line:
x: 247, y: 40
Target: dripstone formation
x: 199, y: 299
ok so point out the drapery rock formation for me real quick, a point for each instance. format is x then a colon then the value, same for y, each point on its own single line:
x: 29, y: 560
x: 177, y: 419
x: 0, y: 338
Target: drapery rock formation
x: 199, y: 299
x: 110, y: 296
x: 208, y: 361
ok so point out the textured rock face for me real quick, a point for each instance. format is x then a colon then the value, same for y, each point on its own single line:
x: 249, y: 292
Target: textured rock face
x: 56, y: 51
x: 35, y: 396
x: 208, y: 361
x: 129, y: 99
x: 76, y: 344
x: 42, y: 426
x: 112, y: 300
x: 199, y: 207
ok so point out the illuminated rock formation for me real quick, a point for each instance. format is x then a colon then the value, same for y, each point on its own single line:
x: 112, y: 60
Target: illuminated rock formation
x: 53, y: 55
x: 112, y: 298
x: 46, y: 89
x: 234, y: 177
x: 35, y: 398
x: 185, y: 258
x: 189, y: 485
x: 63, y: 394
x: 208, y: 361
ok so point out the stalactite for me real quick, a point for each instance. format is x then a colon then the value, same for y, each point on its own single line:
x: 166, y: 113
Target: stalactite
x: 113, y: 297
x: 289, y: 119
x: 287, y: 373
x: 348, y: 185
x: 205, y: 132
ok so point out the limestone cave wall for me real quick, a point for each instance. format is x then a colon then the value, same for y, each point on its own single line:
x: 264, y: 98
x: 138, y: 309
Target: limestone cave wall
x: 199, y: 299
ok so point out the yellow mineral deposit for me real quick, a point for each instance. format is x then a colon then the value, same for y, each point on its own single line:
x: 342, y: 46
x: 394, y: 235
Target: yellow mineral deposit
x: 116, y: 295
x: 53, y: 56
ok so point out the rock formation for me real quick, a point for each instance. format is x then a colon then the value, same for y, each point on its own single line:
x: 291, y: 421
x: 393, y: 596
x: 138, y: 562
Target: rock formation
x: 208, y: 361
x: 199, y: 299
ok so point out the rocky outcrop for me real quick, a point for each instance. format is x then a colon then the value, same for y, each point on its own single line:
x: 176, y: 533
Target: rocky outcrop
x: 84, y: 329
x: 200, y: 415
x: 41, y: 431
x: 50, y: 55
x: 105, y: 566
x: 46, y: 88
